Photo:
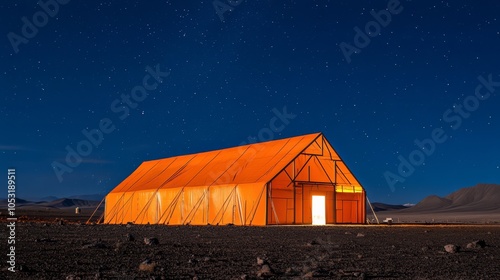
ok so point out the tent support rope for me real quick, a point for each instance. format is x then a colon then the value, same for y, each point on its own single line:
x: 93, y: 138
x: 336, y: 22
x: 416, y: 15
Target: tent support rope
x: 95, y: 210
x: 373, y: 211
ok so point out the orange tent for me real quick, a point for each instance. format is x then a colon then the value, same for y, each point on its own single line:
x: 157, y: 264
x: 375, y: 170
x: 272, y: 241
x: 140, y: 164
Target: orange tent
x: 265, y: 183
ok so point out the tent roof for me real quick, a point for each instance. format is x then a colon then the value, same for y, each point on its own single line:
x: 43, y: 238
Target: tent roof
x: 253, y: 163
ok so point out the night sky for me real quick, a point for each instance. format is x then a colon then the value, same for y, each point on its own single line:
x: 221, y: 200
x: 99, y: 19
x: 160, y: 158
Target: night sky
x: 431, y: 70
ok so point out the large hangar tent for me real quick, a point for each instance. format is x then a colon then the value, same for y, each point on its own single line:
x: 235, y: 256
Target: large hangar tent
x: 298, y: 180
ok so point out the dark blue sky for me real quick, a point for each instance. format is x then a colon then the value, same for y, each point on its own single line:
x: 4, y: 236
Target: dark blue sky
x: 226, y: 77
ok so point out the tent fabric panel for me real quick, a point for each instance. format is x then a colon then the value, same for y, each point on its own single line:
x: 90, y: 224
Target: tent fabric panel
x: 110, y: 206
x: 315, y: 148
x: 195, y: 206
x: 183, y: 206
x: 145, y: 204
x: 318, y: 172
x: 301, y: 163
x: 281, y: 206
x: 170, y: 212
x: 209, y: 171
x: 165, y: 173
x: 120, y: 208
x: 299, y: 205
x: 282, y: 181
x: 128, y: 183
x: 344, y: 176
x: 253, y: 203
x: 157, y: 175
x: 222, y: 202
x: 350, y: 208
x: 229, y: 204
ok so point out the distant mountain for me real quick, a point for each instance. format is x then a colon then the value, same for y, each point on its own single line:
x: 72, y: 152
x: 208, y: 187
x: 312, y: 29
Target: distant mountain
x: 18, y: 201
x: 432, y: 202
x: 69, y: 202
x: 46, y: 198
x: 480, y: 198
x: 58, y: 203
x: 95, y: 197
x: 379, y: 206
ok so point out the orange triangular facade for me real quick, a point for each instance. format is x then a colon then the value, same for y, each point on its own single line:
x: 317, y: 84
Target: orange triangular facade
x: 257, y: 184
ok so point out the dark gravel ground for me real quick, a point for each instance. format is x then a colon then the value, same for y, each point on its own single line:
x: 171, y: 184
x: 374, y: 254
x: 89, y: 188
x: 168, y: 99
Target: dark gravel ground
x: 75, y: 251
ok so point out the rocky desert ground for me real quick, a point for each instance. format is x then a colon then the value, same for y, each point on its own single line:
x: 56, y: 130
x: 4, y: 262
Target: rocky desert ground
x: 72, y: 250
x: 452, y: 237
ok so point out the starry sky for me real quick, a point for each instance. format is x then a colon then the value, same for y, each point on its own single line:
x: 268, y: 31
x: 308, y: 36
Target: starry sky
x: 223, y: 71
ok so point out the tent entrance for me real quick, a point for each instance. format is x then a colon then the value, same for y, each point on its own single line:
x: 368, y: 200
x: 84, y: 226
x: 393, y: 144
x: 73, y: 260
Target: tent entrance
x: 318, y: 210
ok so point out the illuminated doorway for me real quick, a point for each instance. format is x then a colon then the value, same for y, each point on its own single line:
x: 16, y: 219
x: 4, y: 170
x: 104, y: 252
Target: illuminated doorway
x: 318, y: 210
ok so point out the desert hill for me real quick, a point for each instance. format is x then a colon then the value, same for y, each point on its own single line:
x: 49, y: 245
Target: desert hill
x: 480, y: 198
x: 69, y: 202
x: 58, y: 203
x: 45, y: 198
x: 19, y: 201
x: 379, y: 206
